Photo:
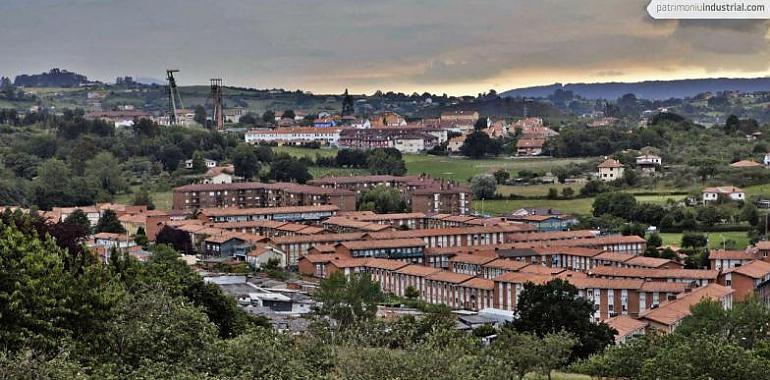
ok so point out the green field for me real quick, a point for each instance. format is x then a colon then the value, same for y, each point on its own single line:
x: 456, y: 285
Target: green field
x: 161, y: 199
x: 582, y: 206
x: 456, y: 168
x: 535, y: 190
x: 758, y: 190
x: 715, y: 238
x: 462, y: 169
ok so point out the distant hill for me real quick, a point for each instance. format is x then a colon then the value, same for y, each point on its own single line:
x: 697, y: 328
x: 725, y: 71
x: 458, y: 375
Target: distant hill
x: 53, y: 78
x: 648, y: 89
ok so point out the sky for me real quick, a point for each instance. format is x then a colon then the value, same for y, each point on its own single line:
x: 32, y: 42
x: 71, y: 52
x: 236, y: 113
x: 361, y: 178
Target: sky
x: 324, y: 46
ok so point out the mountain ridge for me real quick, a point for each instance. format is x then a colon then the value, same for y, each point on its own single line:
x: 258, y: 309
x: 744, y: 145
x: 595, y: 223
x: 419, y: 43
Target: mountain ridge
x: 652, y: 89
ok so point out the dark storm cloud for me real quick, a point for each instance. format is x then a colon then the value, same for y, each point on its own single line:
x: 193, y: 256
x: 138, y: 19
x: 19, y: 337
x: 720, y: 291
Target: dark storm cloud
x: 396, y: 44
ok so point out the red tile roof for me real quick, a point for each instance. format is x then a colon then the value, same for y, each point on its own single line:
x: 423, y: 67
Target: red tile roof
x: 669, y: 313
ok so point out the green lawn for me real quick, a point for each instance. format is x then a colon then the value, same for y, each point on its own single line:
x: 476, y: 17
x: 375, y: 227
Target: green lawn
x: 535, y: 190
x: 582, y: 206
x: 456, y: 168
x: 659, y: 199
x: 758, y: 190
x: 161, y: 199
x: 462, y: 169
x: 715, y: 238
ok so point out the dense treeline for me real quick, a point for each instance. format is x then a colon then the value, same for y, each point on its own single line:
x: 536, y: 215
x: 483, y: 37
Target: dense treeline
x: 69, y: 160
x: 678, y: 140
x: 712, y: 343
x: 65, y: 315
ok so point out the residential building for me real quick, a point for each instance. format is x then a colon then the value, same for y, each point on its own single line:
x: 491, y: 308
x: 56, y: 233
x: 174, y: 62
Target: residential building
x: 666, y: 317
x: 188, y: 164
x: 529, y: 146
x: 295, y: 135
x: 724, y: 259
x: 627, y: 328
x: 648, y: 163
x: 712, y: 194
x: 256, y: 194
x: 610, y: 170
x: 746, y: 278
x: 281, y: 214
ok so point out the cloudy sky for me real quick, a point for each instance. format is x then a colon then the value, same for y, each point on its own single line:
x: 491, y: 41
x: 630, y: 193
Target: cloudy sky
x: 453, y: 46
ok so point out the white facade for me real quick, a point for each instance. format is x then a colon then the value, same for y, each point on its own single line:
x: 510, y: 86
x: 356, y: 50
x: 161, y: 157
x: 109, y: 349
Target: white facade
x: 610, y: 174
x: 409, y: 145
x: 330, y: 136
x: 732, y: 193
x: 209, y: 163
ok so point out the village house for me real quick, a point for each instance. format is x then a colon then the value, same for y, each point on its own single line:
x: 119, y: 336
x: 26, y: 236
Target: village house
x: 529, y: 147
x: 648, y: 163
x: 282, y: 214
x: 712, y: 194
x: 746, y: 278
x: 188, y: 164
x: 610, y: 170
x: 220, y: 174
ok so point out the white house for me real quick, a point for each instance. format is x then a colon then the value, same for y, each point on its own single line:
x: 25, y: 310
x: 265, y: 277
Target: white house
x: 209, y: 163
x: 648, y: 163
x: 409, y: 144
x: 711, y: 194
x: 610, y: 170
x: 261, y: 255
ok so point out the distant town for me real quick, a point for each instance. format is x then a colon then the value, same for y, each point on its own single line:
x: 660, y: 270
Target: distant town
x: 642, y: 210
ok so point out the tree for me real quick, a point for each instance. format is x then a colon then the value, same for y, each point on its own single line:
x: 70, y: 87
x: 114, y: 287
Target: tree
x: 245, y: 161
x: 553, y: 193
x: 143, y: 198
x: 198, y: 162
x: 567, y: 192
x: 479, y: 144
x: 268, y: 116
x: 694, y: 240
x: 33, y: 291
x: 750, y: 214
x: 554, y: 352
x: 411, y: 293
x: 654, y: 240
x: 555, y: 307
x: 140, y: 237
x: 618, y: 204
x: 200, y: 115
x: 382, y: 200
x: 385, y: 161
x: 288, y: 114
x: 79, y: 218
x: 512, y: 353
x: 348, y: 299
x: 108, y: 222
x: 501, y: 176
x: 483, y: 186
x: 179, y: 240
x: 289, y: 169
x: 105, y: 172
